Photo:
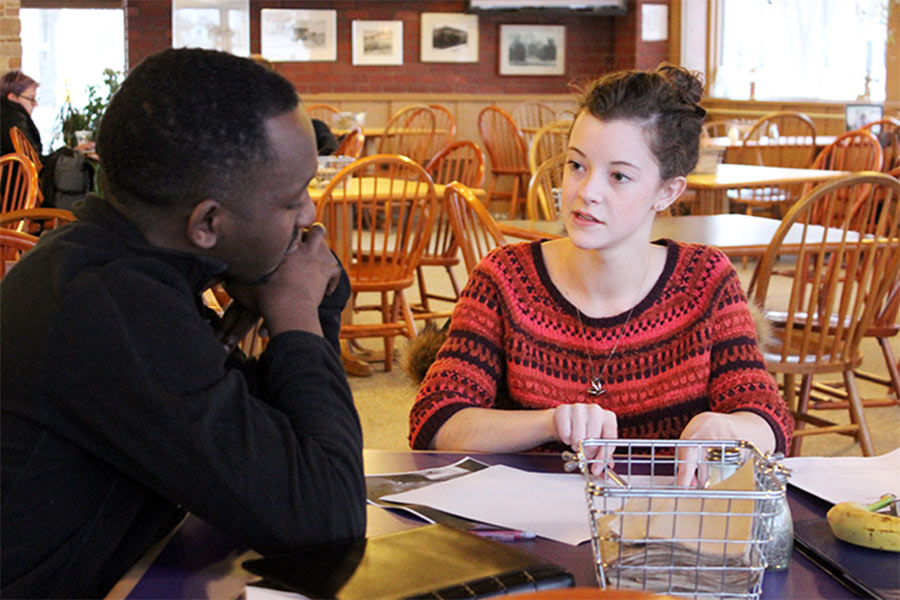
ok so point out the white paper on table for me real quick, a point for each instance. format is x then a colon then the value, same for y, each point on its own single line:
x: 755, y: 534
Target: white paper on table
x: 846, y: 478
x: 552, y: 505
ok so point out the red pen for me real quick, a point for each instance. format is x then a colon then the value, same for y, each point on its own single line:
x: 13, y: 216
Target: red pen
x: 505, y: 535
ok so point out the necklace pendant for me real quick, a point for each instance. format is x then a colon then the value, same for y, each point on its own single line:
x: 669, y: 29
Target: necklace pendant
x: 596, y: 388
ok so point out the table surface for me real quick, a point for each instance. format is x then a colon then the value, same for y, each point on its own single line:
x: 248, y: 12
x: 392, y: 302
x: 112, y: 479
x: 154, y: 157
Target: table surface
x: 201, y: 562
x: 726, y: 142
x: 730, y: 176
x: 735, y: 235
x: 385, y: 186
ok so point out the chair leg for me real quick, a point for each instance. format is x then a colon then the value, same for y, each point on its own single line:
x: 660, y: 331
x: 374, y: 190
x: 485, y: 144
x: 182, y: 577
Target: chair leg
x: 514, y: 199
x: 388, y: 339
x: 490, y: 192
x: 802, y: 408
x: 423, y: 293
x: 893, y: 365
x: 857, y: 415
x: 453, y: 281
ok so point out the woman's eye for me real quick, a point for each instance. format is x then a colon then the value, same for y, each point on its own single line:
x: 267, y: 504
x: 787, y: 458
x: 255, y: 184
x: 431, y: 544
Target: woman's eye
x: 620, y: 177
x: 574, y: 165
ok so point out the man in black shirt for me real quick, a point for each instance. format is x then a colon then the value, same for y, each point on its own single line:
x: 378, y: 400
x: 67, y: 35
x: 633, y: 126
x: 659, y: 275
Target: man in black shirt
x: 121, y: 405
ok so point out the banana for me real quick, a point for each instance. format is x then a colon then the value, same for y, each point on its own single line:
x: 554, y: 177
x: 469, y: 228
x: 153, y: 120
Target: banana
x: 861, y: 525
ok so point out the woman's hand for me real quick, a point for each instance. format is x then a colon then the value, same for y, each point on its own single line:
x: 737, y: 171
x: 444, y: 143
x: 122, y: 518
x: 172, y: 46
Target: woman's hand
x: 720, y: 426
x: 573, y: 423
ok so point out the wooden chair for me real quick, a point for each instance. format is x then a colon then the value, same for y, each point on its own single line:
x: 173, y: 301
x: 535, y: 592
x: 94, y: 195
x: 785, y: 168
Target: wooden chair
x: 778, y: 139
x: 531, y: 116
x: 352, y: 144
x: 508, y: 152
x: 36, y: 220
x: 830, y: 307
x: 889, y: 137
x: 885, y: 326
x: 472, y: 225
x: 545, y: 188
x: 409, y: 133
x: 550, y: 140
x: 444, y: 130
x: 19, y: 183
x: 852, y: 151
x: 378, y: 212
x: 23, y: 146
x: 324, y: 112
x: 12, y: 245
x: 461, y: 161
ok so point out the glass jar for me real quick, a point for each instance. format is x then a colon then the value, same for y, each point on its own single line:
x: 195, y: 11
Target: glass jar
x: 721, y: 463
x: 779, y: 548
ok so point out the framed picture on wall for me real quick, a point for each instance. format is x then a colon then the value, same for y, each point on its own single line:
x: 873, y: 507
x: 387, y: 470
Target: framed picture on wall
x: 298, y: 35
x: 532, y: 49
x: 377, y: 42
x: 857, y: 115
x: 212, y: 24
x: 449, y: 37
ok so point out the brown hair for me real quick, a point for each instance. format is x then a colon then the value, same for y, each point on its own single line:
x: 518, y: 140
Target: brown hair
x: 664, y: 101
x: 15, y: 82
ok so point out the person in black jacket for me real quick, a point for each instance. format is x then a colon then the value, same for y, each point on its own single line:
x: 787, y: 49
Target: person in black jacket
x: 19, y: 97
x: 122, y: 407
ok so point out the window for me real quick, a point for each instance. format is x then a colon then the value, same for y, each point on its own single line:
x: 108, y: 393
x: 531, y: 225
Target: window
x: 801, y: 49
x: 65, y: 50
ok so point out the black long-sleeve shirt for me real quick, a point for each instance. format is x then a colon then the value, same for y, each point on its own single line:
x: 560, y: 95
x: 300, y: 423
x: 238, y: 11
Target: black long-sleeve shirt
x: 121, y: 411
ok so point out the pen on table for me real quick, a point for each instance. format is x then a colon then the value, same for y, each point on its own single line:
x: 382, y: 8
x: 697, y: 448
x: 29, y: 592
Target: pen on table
x: 505, y: 535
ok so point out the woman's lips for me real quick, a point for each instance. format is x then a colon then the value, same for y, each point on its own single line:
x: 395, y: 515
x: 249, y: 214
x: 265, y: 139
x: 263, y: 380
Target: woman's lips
x: 585, y: 218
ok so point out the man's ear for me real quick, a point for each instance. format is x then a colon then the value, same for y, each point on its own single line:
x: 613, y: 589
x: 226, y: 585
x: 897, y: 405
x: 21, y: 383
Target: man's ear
x: 205, y: 224
x: 669, y: 193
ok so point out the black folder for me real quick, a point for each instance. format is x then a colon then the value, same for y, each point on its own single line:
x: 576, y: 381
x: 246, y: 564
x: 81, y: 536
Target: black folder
x: 434, y: 561
x: 868, y: 573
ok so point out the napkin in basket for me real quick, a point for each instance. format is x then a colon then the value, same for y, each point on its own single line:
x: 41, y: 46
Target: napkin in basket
x: 707, y: 553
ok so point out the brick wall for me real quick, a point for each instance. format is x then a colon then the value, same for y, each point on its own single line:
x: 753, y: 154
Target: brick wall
x: 10, y: 42
x: 594, y: 45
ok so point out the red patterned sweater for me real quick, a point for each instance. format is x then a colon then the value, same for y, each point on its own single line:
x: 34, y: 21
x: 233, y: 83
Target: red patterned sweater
x: 515, y: 343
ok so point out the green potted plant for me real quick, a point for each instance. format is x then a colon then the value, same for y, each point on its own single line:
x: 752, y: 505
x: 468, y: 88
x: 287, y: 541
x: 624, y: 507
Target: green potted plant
x: 73, y: 119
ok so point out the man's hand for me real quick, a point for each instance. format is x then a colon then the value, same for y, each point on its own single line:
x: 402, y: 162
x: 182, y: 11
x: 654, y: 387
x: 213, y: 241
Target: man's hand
x: 290, y: 298
x: 573, y: 423
x: 235, y: 324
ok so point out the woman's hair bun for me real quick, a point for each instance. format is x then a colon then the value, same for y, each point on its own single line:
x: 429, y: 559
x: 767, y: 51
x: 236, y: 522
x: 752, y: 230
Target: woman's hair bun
x: 689, y: 84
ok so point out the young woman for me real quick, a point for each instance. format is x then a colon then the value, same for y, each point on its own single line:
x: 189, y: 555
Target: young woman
x: 604, y: 333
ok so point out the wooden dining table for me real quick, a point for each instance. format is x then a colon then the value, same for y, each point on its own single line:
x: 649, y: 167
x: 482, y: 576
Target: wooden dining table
x: 735, y: 235
x: 712, y: 188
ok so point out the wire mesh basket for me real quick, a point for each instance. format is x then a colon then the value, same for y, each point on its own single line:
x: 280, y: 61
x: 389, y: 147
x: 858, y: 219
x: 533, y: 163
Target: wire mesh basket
x: 707, y: 540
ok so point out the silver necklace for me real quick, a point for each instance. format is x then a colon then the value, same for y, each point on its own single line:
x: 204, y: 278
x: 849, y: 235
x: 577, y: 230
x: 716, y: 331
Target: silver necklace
x: 596, y: 387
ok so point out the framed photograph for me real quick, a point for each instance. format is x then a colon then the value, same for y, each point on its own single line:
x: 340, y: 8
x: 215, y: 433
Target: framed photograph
x: 212, y: 24
x: 449, y: 37
x: 857, y: 115
x: 298, y: 35
x: 377, y: 42
x: 532, y: 49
